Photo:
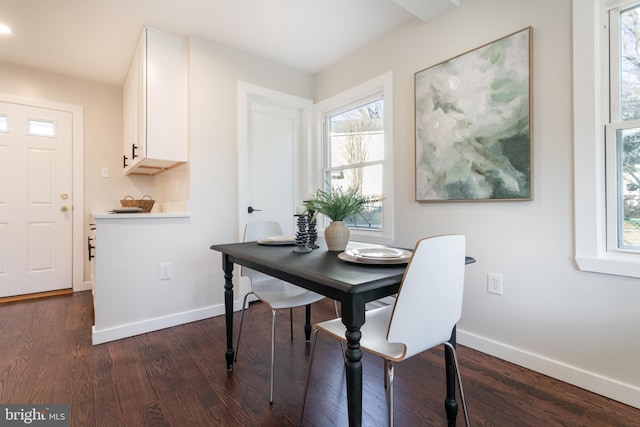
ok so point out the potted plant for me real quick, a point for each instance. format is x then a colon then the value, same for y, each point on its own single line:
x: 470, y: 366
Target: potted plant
x: 338, y: 205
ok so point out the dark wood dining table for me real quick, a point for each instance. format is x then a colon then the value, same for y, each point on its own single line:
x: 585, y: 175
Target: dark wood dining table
x: 352, y: 284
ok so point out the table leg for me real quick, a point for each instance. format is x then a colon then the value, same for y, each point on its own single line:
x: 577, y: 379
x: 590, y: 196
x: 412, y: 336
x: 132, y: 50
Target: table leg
x: 450, y: 403
x: 353, y: 365
x: 227, y: 267
x: 307, y: 323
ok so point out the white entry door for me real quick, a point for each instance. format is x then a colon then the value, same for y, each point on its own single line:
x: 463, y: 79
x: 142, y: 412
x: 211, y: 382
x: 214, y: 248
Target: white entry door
x: 272, y: 144
x: 35, y: 199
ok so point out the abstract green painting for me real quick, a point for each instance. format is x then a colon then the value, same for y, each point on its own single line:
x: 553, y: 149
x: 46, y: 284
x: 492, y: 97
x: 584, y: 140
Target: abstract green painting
x: 473, y: 124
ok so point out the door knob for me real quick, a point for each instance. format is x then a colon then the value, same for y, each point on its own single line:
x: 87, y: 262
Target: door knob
x: 64, y: 208
x: 64, y: 196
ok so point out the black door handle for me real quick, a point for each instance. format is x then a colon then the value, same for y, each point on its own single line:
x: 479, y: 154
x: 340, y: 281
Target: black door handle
x: 90, y: 248
x: 251, y: 210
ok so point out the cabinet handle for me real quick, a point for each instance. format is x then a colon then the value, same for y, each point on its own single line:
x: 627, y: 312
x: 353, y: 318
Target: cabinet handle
x: 90, y: 248
x: 133, y: 151
x: 124, y: 161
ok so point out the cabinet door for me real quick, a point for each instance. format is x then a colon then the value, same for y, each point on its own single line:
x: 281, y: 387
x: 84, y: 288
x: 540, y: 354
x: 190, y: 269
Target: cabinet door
x: 130, y: 119
x: 155, y: 98
x: 141, y: 98
x: 166, y: 96
x: 134, y: 109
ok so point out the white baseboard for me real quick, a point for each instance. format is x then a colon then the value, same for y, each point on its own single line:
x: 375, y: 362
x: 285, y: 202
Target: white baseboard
x: 610, y: 388
x: 149, y: 325
x: 84, y: 286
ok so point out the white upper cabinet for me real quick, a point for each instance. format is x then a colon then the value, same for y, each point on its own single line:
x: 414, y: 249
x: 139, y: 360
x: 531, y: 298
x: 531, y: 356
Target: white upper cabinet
x: 155, y: 105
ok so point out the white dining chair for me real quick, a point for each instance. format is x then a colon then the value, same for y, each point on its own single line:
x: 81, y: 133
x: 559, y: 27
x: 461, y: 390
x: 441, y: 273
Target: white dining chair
x: 277, y: 293
x: 428, y: 306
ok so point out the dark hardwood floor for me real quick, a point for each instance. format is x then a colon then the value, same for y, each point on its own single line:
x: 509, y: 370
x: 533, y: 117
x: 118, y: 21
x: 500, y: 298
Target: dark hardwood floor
x: 177, y: 377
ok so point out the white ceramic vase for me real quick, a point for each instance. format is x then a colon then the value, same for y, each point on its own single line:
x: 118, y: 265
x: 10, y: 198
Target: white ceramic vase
x: 337, y: 236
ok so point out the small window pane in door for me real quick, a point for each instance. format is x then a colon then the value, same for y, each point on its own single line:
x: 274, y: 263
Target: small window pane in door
x: 3, y: 123
x: 42, y: 128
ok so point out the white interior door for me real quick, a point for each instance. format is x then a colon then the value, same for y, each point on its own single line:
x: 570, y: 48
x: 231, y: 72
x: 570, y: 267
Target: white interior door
x: 272, y: 145
x: 35, y: 199
x: 274, y: 134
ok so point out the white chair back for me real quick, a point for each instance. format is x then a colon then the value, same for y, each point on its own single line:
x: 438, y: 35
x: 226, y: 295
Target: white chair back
x: 253, y: 232
x: 429, y: 302
x: 257, y: 230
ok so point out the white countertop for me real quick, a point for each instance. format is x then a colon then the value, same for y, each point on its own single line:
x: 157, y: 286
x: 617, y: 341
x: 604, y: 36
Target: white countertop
x: 111, y: 215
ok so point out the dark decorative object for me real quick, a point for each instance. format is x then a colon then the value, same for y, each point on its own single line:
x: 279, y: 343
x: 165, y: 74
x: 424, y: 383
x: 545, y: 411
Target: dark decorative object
x: 302, y: 235
x: 312, y: 229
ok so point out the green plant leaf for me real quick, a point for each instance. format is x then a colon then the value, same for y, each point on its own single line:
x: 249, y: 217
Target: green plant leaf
x: 338, y: 204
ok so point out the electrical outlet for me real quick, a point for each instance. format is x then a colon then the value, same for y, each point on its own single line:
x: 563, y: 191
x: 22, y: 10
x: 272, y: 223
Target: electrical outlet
x: 165, y: 271
x: 494, y: 283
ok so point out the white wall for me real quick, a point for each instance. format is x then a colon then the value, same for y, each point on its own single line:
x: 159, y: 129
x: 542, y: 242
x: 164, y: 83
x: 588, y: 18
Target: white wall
x: 210, y: 181
x: 580, y: 327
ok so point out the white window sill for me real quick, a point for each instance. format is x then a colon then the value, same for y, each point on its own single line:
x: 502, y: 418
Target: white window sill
x: 618, y: 264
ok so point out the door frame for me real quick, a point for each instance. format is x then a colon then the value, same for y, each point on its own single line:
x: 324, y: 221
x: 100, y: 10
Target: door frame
x: 77, y: 182
x: 246, y: 92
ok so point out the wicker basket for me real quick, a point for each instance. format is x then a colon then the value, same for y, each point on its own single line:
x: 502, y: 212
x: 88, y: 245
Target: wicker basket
x: 129, y: 202
x: 146, y: 203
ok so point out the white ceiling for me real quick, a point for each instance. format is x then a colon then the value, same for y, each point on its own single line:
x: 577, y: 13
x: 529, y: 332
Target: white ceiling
x: 96, y: 39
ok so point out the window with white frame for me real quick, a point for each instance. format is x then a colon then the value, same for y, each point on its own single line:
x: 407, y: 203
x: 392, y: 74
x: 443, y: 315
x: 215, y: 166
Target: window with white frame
x: 622, y: 138
x: 606, y: 79
x: 355, y: 135
x: 355, y: 156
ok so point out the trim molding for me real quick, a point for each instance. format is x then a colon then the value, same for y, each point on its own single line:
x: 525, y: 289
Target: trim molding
x: 149, y: 325
x: 608, y: 387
